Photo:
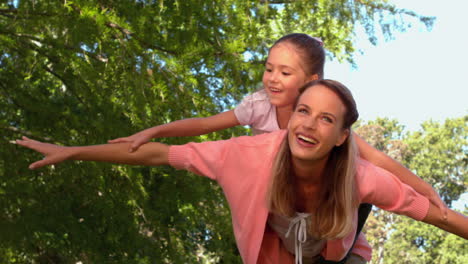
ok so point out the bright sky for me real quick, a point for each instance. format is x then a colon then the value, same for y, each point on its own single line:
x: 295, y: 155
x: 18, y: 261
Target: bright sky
x: 420, y: 75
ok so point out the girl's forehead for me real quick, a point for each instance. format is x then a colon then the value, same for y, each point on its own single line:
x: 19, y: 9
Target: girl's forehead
x: 283, y: 48
x: 285, y: 54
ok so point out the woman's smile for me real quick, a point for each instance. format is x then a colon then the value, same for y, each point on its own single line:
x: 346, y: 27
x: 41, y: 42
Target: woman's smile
x: 315, y: 126
x: 306, y: 141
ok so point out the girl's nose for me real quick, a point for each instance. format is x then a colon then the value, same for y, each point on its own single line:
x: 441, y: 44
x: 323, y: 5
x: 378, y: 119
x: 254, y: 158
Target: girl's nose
x: 274, y: 76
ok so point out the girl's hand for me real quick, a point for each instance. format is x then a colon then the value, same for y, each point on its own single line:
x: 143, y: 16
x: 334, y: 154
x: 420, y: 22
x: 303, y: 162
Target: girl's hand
x: 435, y: 199
x: 53, y: 154
x: 136, y: 140
x: 454, y: 222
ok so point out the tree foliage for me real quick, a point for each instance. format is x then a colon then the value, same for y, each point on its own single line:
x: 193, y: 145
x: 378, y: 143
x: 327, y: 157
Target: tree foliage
x: 82, y: 72
x: 438, y: 154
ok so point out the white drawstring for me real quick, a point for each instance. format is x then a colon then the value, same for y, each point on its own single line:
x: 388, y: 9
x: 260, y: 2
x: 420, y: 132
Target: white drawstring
x: 300, y: 229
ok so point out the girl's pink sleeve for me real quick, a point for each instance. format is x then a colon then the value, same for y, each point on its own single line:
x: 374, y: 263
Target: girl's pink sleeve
x: 245, y: 110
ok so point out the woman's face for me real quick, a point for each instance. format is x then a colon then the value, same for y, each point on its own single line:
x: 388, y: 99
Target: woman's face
x: 316, y: 125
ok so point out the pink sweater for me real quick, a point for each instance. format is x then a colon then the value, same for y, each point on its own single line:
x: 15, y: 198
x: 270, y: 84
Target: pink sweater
x: 242, y: 167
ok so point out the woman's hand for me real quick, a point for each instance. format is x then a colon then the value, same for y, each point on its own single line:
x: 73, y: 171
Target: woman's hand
x: 53, y: 154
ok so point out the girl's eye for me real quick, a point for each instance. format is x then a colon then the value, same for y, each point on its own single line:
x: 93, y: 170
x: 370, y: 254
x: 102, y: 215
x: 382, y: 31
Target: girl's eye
x: 302, y: 110
x: 286, y: 73
x: 268, y: 70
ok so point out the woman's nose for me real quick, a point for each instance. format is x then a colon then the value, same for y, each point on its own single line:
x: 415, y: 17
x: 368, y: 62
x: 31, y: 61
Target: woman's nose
x: 310, y: 123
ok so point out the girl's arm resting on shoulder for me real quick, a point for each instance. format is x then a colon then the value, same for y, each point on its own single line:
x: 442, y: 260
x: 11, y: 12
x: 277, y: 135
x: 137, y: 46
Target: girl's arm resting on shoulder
x: 455, y: 222
x: 197, y: 126
x: 382, y: 160
x: 152, y: 154
x: 180, y: 128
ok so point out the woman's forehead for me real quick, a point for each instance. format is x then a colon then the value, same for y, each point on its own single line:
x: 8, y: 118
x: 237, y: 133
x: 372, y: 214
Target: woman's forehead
x: 320, y: 97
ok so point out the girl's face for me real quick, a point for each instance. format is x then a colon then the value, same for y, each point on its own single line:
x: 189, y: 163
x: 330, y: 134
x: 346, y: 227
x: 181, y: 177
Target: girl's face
x: 284, y: 75
x: 315, y: 126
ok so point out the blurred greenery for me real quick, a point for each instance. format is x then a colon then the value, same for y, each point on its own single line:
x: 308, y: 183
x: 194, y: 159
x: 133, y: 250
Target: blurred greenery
x: 438, y: 154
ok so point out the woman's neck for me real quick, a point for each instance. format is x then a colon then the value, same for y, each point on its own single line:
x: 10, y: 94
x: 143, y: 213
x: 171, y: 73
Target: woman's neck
x: 283, y: 113
x: 309, y: 172
x: 308, y: 183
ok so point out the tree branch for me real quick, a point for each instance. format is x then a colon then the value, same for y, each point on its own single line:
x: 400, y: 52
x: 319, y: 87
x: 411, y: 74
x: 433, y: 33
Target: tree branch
x: 58, y: 76
x: 276, y: 1
x: 6, y: 95
x: 390, y: 8
x: 130, y: 34
x: 25, y: 133
x: 8, y: 12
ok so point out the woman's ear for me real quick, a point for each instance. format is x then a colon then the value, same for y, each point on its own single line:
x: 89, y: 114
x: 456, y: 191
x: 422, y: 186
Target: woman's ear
x: 342, y: 138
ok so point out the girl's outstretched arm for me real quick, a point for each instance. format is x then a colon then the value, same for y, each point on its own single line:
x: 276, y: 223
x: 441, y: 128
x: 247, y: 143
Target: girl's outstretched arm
x: 181, y: 128
x: 455, y: 222
x: 382, y: 160
x: 152, y: 154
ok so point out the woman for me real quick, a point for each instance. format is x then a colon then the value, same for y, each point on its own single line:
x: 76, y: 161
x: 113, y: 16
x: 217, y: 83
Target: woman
x: 306, y: 209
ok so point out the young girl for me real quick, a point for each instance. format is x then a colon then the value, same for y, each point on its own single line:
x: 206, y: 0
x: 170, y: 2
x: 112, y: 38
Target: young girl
x: 292, y: 61
x: 306, y: 208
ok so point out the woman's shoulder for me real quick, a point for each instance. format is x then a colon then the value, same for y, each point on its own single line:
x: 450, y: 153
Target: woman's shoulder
x: 365, y: 168
x: 368, y: 175
x: 266, y: 139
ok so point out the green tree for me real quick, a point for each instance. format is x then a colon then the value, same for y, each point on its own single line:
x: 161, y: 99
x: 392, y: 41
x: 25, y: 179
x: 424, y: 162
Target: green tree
x: 82, y: 72
x: 438, y: 154
x: 385, y: 135
x: 440, y: 157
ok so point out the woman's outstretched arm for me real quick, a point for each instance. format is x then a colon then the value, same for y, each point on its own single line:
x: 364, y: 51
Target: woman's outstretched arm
x: 151, y: 154
x: 380, y: 159
x: 455, y: 223
x: 383, y: 189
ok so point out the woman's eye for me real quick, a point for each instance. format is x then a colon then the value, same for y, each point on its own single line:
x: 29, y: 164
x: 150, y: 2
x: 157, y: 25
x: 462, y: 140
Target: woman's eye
x: 327, y: 119
x: 302, y: 110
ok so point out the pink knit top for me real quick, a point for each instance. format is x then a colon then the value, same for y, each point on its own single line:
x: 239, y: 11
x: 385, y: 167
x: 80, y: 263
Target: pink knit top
x: 242, y: 167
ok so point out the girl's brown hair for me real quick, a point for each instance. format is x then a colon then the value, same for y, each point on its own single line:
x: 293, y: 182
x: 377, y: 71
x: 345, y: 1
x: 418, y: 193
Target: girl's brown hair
x: 311, y: 51
x: 338, y: 200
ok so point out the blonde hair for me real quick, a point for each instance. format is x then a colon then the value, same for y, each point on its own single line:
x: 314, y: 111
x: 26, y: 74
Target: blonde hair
x: 338, y: 198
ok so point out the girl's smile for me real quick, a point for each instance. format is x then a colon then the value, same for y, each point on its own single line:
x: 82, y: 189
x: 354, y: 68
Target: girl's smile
x: 283, y: 75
